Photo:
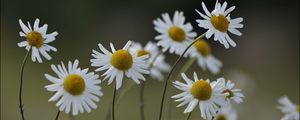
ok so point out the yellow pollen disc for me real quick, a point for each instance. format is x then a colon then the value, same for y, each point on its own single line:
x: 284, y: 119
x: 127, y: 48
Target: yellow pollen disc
x: 202, y: 47
x: 221, y: 117
x: 121, y: 59
x: 177, y: 34
x: 74, y: 84
x: 220, y: 22
x: 143, y: 52
x: 298, y: 108
x: 35, y: 39
x: 201, y: 90
x: 231, y: 94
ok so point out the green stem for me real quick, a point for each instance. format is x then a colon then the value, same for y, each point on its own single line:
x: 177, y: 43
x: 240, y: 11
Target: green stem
x: 142, y: 112
x: 21, y: 85
x: 122, y: 92
x: 188, y: 116
x: 113, y: 103
x: 57, y: 115
x: 185, y: 67
x: 170, y: 73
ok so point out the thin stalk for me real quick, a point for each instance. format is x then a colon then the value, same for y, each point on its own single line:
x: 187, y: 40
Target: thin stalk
x: 113, y: 104
x: 171, y: 71
x: 21, y: 85
x: 142, y: 111
x: 188, y: 116
x: 185, y: 67
x: 57, y: 115
x: 122, y: 92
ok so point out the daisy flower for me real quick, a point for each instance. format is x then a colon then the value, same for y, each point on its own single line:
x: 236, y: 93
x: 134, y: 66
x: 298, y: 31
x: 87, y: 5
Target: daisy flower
x: 226, y: 113
x: 202, y: 51
x: 156, y: 59
x: 37, y: 39
x: 233, y: 94
x: 218, y: 23
x: 207, y: 94
x: 175, y: 35
x: 120, y: 62
x: 290, y: 110
x: 74, y: 87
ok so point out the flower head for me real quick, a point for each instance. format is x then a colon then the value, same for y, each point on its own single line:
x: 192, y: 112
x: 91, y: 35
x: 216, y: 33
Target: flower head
x: 202, y: 51
x: 37, y: 39
x: 207, y: 94
x: 226, y: 113
x: 156, y: 60
x: 75, y: 88
x: 290, y: 110
x: 233, y: 94
x: 218, y: 23
x: 175, y: 35
x: 120, y: 62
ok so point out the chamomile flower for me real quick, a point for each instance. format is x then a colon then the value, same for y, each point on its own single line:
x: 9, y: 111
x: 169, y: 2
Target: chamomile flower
x: 76, y: 89
x: 202, y: 51
x: 226, y: 113
x: 120, y: 62
x: 37, y: 39
x: 175, y: 35
x: 233, y: 94
x: 156, y: 59
x: 218, y: 23
x: 207, y: 94
x: 290, y: 110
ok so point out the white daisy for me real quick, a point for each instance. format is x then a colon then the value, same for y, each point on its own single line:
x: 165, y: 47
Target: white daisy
x: 156, y: 60
x: 37, y: 39
x: 233, y: 94
x: 218, y: 22
x: 290, y: 110
x: 74, y: 87
x: 226, y: 113
x: 120, y: 62
x: 208, y: 95
x: 202, y: 51
x: 175, y: 35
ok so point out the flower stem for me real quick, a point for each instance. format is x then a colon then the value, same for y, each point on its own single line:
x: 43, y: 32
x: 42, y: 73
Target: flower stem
x: 21, y: 85
x: 188, y: 116
x: 113, y: 104
x: 183, y: 69
x: 57, y: 115
x: 171, y: 71
x: 142, y: 111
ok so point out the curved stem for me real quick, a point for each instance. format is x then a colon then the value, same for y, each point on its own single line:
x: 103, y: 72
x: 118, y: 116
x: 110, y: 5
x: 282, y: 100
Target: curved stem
x: 113, y: 104
x: 188, y: 116
x: 21, y: 85
x: 183, y: 69
x: 142, y: 111
x: 57, y: 115
x: 171, y: 71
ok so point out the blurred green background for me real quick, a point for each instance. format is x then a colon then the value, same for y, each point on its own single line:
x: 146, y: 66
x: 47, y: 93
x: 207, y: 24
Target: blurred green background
x: 264, y: 64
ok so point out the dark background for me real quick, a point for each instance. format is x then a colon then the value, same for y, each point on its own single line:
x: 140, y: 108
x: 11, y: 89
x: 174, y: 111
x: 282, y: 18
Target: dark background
x: 264, y: 64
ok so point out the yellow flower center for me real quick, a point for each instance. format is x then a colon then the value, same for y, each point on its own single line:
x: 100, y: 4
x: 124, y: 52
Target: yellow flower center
x: 220, y: 22
x: 35, y: 39
x: 74, y: 84
x: 231, y: 94
x: 177, y: 34
x: 221, y: 117
x: 202, y: 47
x: 121, y: 59
x: 143, y: 52
x: 201, y: 90
x: 298, y: 108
